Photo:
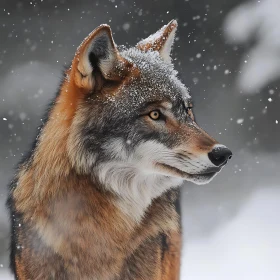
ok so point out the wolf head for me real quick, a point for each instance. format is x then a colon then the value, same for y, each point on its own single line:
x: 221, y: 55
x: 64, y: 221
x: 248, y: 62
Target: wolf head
x: 133, y: 125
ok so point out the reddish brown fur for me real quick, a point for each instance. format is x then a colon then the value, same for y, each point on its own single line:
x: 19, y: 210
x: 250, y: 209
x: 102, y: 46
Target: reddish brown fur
x: 85, y: 235
x: 72, y: 217
x: 171, y: 260
x: 72, y: 228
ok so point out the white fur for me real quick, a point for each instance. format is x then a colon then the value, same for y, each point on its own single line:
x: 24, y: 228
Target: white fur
x: 135, y: 177
x: 167, y: 47
x: 135, y: 188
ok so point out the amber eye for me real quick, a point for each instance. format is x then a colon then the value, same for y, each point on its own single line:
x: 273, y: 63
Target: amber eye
x: 154, y: 115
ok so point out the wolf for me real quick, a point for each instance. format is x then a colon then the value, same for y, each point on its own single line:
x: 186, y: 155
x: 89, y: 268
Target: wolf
x: 97, y: 198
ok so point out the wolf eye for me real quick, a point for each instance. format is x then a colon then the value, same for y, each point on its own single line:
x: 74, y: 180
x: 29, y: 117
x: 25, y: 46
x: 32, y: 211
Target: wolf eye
x: 154, y: 115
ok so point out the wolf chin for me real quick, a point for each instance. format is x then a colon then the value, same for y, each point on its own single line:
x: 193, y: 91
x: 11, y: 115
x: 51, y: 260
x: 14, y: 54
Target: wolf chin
x: 98, y: 195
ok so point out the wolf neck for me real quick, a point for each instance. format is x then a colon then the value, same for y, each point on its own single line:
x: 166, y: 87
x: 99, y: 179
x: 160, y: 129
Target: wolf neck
x: 132, y: 191
x: 135, y: 190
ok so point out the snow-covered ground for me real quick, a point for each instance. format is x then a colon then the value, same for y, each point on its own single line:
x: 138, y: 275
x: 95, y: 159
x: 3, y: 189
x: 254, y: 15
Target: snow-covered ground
x: 247, y: 247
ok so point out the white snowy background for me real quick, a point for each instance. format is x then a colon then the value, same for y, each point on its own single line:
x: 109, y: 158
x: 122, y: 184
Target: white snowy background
x: 228, y: 53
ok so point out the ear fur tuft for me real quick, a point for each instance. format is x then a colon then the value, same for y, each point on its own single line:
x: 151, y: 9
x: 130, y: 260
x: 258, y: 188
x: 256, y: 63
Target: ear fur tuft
x: 98, y: 54
x: 161, y: 41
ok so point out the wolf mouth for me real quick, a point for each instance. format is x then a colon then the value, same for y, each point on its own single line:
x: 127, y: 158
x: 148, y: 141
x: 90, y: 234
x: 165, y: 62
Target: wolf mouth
x: 206, y: 175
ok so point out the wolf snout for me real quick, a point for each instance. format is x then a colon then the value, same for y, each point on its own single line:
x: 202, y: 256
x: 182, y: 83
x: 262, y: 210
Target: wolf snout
x: 220, y: 155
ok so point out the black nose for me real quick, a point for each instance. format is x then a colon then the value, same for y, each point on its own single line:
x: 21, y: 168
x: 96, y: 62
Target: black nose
x: 220, y: 155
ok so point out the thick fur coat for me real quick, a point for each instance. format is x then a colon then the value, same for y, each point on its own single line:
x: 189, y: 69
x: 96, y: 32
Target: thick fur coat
x: 97, y: 198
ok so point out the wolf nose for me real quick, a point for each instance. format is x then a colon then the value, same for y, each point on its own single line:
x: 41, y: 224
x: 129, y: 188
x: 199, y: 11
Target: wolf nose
x: 220, y: 155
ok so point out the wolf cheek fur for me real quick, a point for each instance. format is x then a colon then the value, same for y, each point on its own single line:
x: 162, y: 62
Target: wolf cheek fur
x: 98, y: 197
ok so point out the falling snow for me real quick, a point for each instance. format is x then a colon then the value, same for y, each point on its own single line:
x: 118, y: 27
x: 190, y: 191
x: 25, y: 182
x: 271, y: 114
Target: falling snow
x: 239, y: 121
x: 227, y: 56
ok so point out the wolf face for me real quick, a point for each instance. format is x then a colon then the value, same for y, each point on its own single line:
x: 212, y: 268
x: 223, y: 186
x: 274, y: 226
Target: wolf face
x: 134, y: 129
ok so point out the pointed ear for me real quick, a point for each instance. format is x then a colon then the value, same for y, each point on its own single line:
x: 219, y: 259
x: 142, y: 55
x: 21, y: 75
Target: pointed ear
x: 98, y: 56
x: 161, y: 41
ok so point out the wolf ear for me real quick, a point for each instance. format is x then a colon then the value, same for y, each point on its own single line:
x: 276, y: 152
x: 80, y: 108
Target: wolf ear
x: 97, y: 55
x: 161, y: 41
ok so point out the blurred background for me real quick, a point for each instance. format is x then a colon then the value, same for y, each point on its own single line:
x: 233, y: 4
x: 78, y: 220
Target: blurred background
x: 227, y: 53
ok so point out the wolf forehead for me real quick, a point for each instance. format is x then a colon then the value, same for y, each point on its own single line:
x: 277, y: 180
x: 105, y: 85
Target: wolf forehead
x: 157, y: 81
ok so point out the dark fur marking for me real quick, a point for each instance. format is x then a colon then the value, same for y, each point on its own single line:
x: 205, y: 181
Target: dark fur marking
x: 14, y: 237
x: 164, y: 245
x: 100, y: 46
x: 178, y: 205
x: 99, y: 50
